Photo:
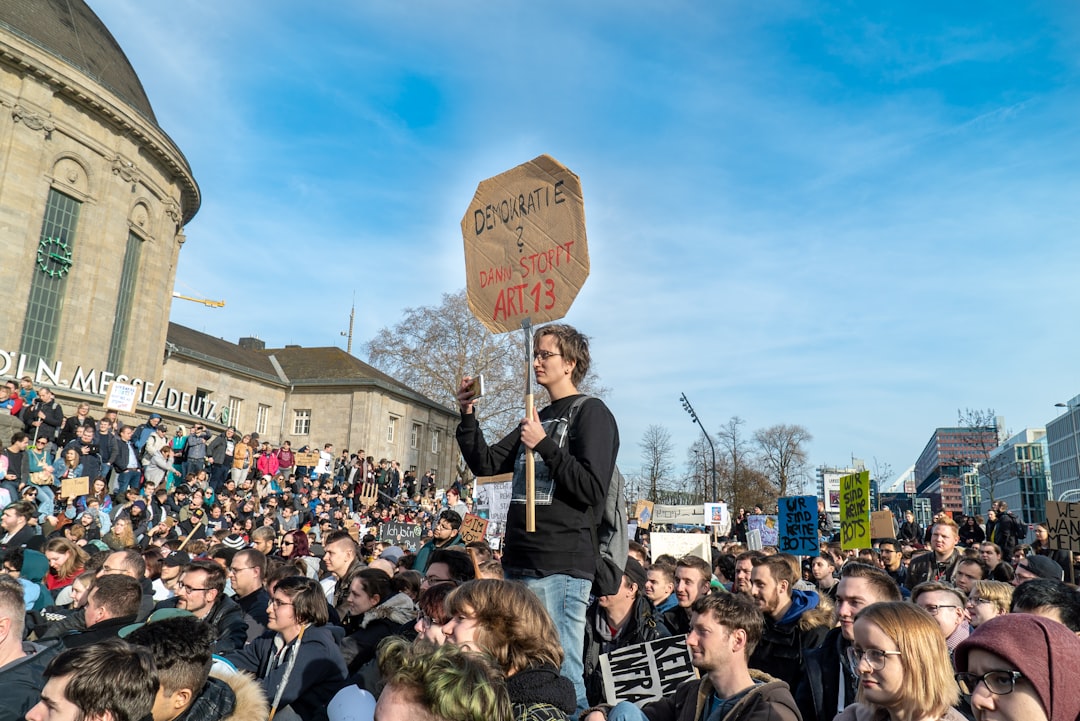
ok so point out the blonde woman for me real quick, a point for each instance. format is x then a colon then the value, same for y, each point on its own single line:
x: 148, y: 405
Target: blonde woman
x: 902, y: 663
x: 121, y: 536
x: 988, y: 599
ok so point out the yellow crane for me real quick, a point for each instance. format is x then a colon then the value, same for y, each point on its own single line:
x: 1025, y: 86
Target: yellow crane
x: 204, y: 301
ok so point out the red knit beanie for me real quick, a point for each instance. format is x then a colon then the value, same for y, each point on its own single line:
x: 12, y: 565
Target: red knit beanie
x: 1045, y: 651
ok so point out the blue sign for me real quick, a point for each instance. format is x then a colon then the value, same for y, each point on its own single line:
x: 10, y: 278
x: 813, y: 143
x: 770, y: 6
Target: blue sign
x: 798, y: 525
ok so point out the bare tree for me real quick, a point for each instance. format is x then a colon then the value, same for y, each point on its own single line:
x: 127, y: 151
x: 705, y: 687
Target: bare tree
x: 433, y: 347
x: 656, y: 450
x: 781, y: 451
x: 698, y: 476
x: 736, y: 455
x: 975, y: 446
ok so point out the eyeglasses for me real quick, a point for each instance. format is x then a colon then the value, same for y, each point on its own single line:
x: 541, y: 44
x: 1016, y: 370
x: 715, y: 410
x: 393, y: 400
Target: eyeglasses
x: 234, y: 571
x: 181, y: 586
x: 998, y: 683
x: 875, y: 657
x: 277, y: 604
x: 543, y: 355
x: 977, y: 601
x: 430, y: 580
x: 933, y: 610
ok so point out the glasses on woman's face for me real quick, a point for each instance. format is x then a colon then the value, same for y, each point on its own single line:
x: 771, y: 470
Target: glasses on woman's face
x: 975, y: 601
x: 875, y: 657
x: 998, y: 683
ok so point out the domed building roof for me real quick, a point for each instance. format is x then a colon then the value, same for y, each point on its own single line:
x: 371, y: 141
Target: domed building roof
x: 71, y: 31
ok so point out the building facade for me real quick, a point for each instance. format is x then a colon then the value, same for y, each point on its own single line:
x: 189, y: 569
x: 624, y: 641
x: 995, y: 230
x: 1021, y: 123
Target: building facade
x: 1063, y: 446
x: 948, y: 455
x: 1018, y: 473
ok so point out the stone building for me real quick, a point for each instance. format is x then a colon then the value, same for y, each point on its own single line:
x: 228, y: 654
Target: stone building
x: 94, y: 197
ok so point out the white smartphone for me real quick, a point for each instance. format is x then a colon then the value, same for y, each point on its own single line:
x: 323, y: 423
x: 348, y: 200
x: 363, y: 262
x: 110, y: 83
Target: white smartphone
x: 477, y: 386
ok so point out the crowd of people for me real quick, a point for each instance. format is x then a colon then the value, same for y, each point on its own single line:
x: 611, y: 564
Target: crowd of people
x: 224, y: 581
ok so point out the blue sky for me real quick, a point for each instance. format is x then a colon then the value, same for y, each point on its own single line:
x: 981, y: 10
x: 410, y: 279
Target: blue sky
x: 858, y: 217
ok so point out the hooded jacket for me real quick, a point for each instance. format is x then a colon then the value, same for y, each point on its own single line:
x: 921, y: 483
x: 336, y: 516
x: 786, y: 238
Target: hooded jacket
x: 378, y: 623
x: 825, y: 669
x: 803, y: 627
x: 318, y: 672
x: 229, y: 697
x: 767, y: 700
x: 644, y: 624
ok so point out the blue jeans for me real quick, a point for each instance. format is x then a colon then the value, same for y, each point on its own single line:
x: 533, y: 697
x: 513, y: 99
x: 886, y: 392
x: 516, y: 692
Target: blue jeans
x: 626, y: 711
x: 126, y: 479
x: 566, y: 599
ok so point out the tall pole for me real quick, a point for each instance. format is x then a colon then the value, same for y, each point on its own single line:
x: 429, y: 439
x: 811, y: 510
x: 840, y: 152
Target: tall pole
x: 690, y: 409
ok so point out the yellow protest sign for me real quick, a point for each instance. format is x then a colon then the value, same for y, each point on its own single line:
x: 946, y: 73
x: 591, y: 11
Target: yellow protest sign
x: 855, y: 511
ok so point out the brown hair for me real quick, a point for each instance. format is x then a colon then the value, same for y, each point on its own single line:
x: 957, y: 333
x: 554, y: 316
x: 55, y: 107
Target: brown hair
x: 512, y: 624
x: 736, y: 611
x: 573, y: 346
x: 76, y: 560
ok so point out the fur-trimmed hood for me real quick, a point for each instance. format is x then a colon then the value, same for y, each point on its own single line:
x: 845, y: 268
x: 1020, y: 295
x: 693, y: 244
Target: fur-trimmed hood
x: 251, y: 703
x: 399, y: 609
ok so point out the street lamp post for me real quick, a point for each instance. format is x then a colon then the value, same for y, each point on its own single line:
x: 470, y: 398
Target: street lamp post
x: 690, y: 409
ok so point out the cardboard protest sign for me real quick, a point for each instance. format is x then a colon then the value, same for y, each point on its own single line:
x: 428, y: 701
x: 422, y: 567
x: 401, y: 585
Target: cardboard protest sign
x: 1063, y: 520
x: 473, y: 528
x: 369, y: 493
x: 406, y: 535
x: 767, y: 526
x: 526, y: 254
x: 680, y: 544
x: 882, y: 524
x: 645, y: 672
x: 798, y: 520
x: 686, y: 515
x: 855, y: 511
x: 643, y: 512
x: 74, y: 487
x: 493, y: 504
x: 308, y: 459
x: 122, y: 397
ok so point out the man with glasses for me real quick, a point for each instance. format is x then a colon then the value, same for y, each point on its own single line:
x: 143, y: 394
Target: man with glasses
x: 892, y: 560
x: 201, y: 591
x: 443, y: 535
x: 946, y: 604
x: 246, y: 572
x: 451, y: 565
x: 574, y: 461
x: 1032, y: 567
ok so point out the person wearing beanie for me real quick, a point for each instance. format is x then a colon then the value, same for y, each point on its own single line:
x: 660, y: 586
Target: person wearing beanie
x: 1032, y: 567
x: 1020, y: 667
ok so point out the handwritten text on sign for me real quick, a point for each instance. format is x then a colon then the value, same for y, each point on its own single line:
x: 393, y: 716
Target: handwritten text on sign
x: 799, y: 525
x: 646, y: 672
x: 855, y: 511
x: 526, y: 254
x: 1063, y: 521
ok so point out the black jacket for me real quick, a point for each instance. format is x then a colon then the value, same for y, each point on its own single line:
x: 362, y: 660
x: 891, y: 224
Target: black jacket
x: 643, y: 625
x: 50, y: 424
x: 23, y: 679
x: 925, y: 567
x: 818, y: 692
x: 227, y: 619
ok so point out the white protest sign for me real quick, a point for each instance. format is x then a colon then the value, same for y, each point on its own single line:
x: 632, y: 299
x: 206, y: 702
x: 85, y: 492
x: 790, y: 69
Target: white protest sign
x: 645, y: 672
x: 680, y: 544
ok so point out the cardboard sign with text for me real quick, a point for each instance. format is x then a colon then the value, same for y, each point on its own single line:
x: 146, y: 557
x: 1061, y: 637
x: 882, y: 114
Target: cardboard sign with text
x: 72, y: 488
x: 473, y: 528
x: 493, y: 504
x: 645, y: 672
x: 683, y: 515
x: 307, y: 460
x: 855, y: 511
x: 798, y: 519
x: 882, y: 524
x: 1063, y: 520
x: 526, y: 254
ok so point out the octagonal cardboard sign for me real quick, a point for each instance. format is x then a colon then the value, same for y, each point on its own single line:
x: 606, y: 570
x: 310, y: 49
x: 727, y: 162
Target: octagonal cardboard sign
x: 526, y: 255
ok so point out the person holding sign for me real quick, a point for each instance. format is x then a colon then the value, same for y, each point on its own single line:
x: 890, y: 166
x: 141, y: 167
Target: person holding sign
x: 575, y: 458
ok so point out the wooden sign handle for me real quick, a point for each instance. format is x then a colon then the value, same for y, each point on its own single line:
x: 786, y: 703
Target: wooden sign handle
x: 530, y: 476
x: 193, y: 529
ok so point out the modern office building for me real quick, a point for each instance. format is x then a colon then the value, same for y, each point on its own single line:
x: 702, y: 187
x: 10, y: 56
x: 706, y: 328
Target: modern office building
x: 1063, y: 442
x: 1018, y: 473
x: 948, y: 455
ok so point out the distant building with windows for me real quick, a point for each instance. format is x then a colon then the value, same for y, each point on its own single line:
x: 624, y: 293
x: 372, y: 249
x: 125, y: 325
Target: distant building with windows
x: 1018, y: 473
x: 1063, y: 443
x: 949, y: 454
